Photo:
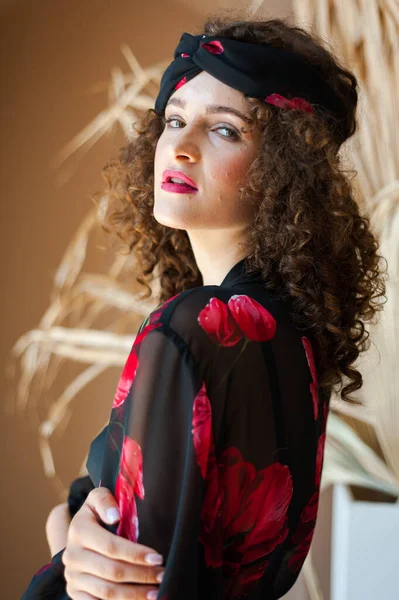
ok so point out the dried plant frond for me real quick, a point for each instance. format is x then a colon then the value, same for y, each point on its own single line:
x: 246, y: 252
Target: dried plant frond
x: 68, y: 331
x: 129, y: 96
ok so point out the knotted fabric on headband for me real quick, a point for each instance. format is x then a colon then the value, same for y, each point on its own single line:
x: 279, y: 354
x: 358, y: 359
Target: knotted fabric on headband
x: 274, y: 75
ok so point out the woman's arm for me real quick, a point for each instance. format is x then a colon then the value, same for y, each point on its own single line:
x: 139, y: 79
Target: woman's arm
x: 57, y: 525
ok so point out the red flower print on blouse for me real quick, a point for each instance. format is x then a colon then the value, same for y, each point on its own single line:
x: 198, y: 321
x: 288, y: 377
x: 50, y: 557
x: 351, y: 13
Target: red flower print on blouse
x: 217, y: 321
x: 254, y: 320
x: 202, y: 428
x: 242, y: 316
x: 252, y: 517
x: 130, y: 368
x: 215, y: 47
x: 243, y: 514
x: 295, y: 103
x: 184, y: 55
x: 180, y: 83
x: 129, y: 483
x: 312, y: 366
x: 126, y: 379
x: 310, y: 357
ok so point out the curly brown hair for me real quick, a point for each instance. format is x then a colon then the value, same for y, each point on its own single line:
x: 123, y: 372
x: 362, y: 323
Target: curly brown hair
x: 309, y: 240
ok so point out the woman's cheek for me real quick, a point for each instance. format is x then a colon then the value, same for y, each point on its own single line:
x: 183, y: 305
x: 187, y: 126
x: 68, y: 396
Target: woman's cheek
x: 229, y: 171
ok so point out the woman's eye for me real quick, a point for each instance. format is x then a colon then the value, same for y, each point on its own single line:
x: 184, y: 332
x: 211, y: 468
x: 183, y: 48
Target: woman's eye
x: 172, y: 119
x: 232, y: 133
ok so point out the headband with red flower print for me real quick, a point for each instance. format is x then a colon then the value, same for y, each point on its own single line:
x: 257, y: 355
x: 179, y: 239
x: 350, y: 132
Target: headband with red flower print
x: 275, y: 75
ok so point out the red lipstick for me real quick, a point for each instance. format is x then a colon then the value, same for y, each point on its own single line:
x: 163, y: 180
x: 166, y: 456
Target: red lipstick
x: 185, y: 185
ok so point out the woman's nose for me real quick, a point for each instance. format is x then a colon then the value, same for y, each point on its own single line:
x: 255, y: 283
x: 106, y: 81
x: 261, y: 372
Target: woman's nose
x: 187, y: 146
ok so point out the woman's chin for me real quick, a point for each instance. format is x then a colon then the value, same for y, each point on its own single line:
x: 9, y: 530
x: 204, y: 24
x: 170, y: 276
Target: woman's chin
x: 170, y: 220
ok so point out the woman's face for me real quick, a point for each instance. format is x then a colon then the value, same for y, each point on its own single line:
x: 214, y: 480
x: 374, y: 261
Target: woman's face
x: 214, y: 148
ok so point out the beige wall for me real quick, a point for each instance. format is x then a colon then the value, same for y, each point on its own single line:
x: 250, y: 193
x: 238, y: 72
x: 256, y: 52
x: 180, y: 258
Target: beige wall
x: 52, y: 54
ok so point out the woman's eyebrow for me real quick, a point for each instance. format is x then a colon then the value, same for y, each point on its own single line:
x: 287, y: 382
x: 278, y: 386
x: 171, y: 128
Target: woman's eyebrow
x: 213, y: 108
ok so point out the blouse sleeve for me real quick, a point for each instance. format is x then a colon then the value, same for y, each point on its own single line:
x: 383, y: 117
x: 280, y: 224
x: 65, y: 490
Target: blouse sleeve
x: 82, y: 486
x: 150, y: 462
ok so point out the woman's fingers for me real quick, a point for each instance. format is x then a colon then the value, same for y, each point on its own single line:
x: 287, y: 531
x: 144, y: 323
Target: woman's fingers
x: 102, y: 565
x: 112, y: 570
x: 85, y: 531
x: 104, y: 505
x: 104, y: 590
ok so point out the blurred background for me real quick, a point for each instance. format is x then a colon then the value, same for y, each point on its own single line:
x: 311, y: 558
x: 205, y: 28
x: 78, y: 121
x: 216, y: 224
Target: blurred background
x: 61, y: 67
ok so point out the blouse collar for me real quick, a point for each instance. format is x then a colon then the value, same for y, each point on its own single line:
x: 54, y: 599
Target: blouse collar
x: 238, y: 275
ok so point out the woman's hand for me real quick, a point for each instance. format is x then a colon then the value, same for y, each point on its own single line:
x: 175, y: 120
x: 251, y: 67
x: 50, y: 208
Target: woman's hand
x: 102, y: 565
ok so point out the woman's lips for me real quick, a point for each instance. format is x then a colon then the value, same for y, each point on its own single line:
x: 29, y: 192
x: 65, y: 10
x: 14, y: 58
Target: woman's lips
x: 182, y: 178
x: 178, y: 188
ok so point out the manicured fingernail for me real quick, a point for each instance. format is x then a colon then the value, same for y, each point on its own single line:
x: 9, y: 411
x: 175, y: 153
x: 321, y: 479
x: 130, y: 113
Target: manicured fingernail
x: 159, y: 577
x: 152, y: 595
x: 154, y: 559
x: 113, y: 514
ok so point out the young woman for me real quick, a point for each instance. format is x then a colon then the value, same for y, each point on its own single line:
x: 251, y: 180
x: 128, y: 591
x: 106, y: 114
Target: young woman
x: 234, y: 193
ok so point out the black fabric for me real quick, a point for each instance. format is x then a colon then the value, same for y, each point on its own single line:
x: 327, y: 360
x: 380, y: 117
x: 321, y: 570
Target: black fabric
x: 95, y: 458
x: 257, y: 70
x: 78, y: 492
x: 215, y: 444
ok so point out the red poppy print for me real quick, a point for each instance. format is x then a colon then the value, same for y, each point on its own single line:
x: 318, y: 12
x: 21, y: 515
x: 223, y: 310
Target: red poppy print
x: 252, y: 517
x: 129, y: 371
x: 312, y: 366
x: 205, y: 453
x: 126, y: 379
x: 310, y: 357
x: 214, y: 47
x: 202, y: 428
x: 180, y: 83
x: 129, y: 483
x: 254, y: 320
x: 217, y: 321
x: 295, y: 103
x: 315, y: 400
x: 184, y: 55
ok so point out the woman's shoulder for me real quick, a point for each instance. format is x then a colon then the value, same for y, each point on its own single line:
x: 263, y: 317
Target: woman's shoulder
x: 192, y: 314
x: 186, y: 306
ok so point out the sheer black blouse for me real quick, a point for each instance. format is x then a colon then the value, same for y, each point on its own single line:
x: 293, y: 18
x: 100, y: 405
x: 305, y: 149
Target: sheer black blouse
x: 214, y: 448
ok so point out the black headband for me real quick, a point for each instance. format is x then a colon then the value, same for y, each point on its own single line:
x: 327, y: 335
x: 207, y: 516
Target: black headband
x: 275, y: 75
